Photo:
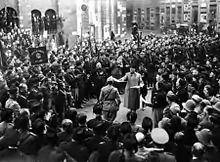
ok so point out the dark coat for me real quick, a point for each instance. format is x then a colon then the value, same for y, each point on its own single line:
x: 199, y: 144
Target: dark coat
x: 75, y: 150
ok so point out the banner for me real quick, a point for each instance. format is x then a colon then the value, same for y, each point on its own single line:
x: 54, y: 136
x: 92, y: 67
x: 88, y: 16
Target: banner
x: 38, y: 55
x: 3, y: 58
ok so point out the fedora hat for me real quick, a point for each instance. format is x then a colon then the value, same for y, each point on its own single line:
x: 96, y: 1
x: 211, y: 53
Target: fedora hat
x: 216, y: 107
x: 196, y: 98
x: 204, y: 136
x: 171, y: 95
x: 189, y: 105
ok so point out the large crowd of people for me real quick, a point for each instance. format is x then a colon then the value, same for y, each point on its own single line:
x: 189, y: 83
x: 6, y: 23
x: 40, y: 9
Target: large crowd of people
x: 39, y: 104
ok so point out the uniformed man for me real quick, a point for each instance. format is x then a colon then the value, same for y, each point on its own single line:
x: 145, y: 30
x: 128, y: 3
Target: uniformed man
x: 111, y: 100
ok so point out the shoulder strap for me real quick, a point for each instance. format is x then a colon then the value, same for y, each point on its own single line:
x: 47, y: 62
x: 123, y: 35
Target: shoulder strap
x: 106, y: 96
x: 22, y: 141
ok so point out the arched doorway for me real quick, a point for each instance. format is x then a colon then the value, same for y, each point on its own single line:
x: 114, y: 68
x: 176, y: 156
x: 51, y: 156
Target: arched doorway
x: 8, y: 19
x: 50, y: 21
x: 37, y: 23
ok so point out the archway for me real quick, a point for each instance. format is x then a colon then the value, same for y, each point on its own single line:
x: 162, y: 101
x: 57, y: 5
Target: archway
x: 8, y: 19
x: 50, y: 21
x: 37, y: 23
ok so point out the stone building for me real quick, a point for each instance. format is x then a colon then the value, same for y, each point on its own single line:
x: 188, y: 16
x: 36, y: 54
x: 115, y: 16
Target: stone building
x: 153, y: 14
x: 75, y: 18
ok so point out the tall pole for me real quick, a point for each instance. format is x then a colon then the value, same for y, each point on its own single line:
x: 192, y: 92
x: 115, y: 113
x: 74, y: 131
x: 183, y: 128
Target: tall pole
x: 81, y: 34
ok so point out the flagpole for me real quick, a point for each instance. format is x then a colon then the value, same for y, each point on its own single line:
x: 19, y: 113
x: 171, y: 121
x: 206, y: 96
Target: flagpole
x: 81, y: 36
x: 1, y: 50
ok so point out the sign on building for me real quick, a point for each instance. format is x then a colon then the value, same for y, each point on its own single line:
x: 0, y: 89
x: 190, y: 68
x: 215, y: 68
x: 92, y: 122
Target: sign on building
x: 85, y: 21
x: 187, y: 7
x: 186, y: 17
x: 203, y: 18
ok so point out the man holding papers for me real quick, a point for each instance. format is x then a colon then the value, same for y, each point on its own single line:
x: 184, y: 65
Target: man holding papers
x: 132, y: 89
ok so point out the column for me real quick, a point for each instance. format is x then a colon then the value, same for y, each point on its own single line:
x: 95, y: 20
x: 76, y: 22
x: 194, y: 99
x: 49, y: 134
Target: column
x: 218, y: 15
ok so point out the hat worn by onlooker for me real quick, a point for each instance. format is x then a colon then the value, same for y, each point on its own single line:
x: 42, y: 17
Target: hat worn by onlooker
x: 196, y: 98
x: 140, y: 137
x: 170, y: 94
x: 206, y: 102
x: 175, y: 108
x: 159, y: 136
x: 189, y: 105
x: 216, y: 107
x: 66, y: 122
x: 164, y: 122
x: 214, y: 100
x: 204, y: 136
x: 198, y: 150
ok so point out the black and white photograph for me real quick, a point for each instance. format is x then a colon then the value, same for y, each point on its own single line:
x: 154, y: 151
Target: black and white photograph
x: 109, y: 80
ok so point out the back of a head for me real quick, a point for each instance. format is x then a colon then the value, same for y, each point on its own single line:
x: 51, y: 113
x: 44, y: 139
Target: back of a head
x: 71, y: 114
x: 175, y: 121
x: 52, y: 137
x: 192, y: 120
x: 81, y: 118
x: 179, y: 138
x: 53, y: 121
x: 25, y: 112
x: 79, y: 134
x: 23, y: 123
x: 147, y: 124
x: 99, y: 128
x: 113, y: 132
x: 7, y: 115
x: 110, y: 81
x: 130, y: 143
x: 198, y: 150
x: 41, y: 114
x: 125, y: 128
x: 67, y: 125
x: 38, y: 126
x: 97, y: 110
x: 132, y: 116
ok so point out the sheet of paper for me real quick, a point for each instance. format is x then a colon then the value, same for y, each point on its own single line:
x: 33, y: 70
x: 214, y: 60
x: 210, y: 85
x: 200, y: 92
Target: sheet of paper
x: 135, y: 87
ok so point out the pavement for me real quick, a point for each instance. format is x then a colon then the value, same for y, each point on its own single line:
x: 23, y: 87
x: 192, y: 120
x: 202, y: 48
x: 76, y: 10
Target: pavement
x: 121, y: 115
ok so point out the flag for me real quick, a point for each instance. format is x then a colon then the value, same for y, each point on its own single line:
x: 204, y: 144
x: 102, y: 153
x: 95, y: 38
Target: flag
x: 3, y: 59
x: 96, y: 50
x: 90, y: 46
x: 38, y: 55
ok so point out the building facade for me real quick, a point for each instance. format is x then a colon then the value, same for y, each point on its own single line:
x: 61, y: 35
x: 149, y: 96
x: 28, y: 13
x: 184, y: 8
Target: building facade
x: 154, y: 14
x: 76, y: 18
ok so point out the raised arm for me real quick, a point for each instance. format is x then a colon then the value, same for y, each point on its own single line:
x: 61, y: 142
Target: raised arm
x: 123, y: 79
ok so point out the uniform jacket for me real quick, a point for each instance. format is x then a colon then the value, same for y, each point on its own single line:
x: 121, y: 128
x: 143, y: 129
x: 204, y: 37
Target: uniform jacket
x: 110, y: 97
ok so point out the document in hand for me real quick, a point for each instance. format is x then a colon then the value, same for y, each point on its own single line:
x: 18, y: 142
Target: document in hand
x: 137, y: 87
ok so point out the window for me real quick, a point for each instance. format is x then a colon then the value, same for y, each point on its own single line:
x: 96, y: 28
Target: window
x: 50, y: 21
x: 37, y: 23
